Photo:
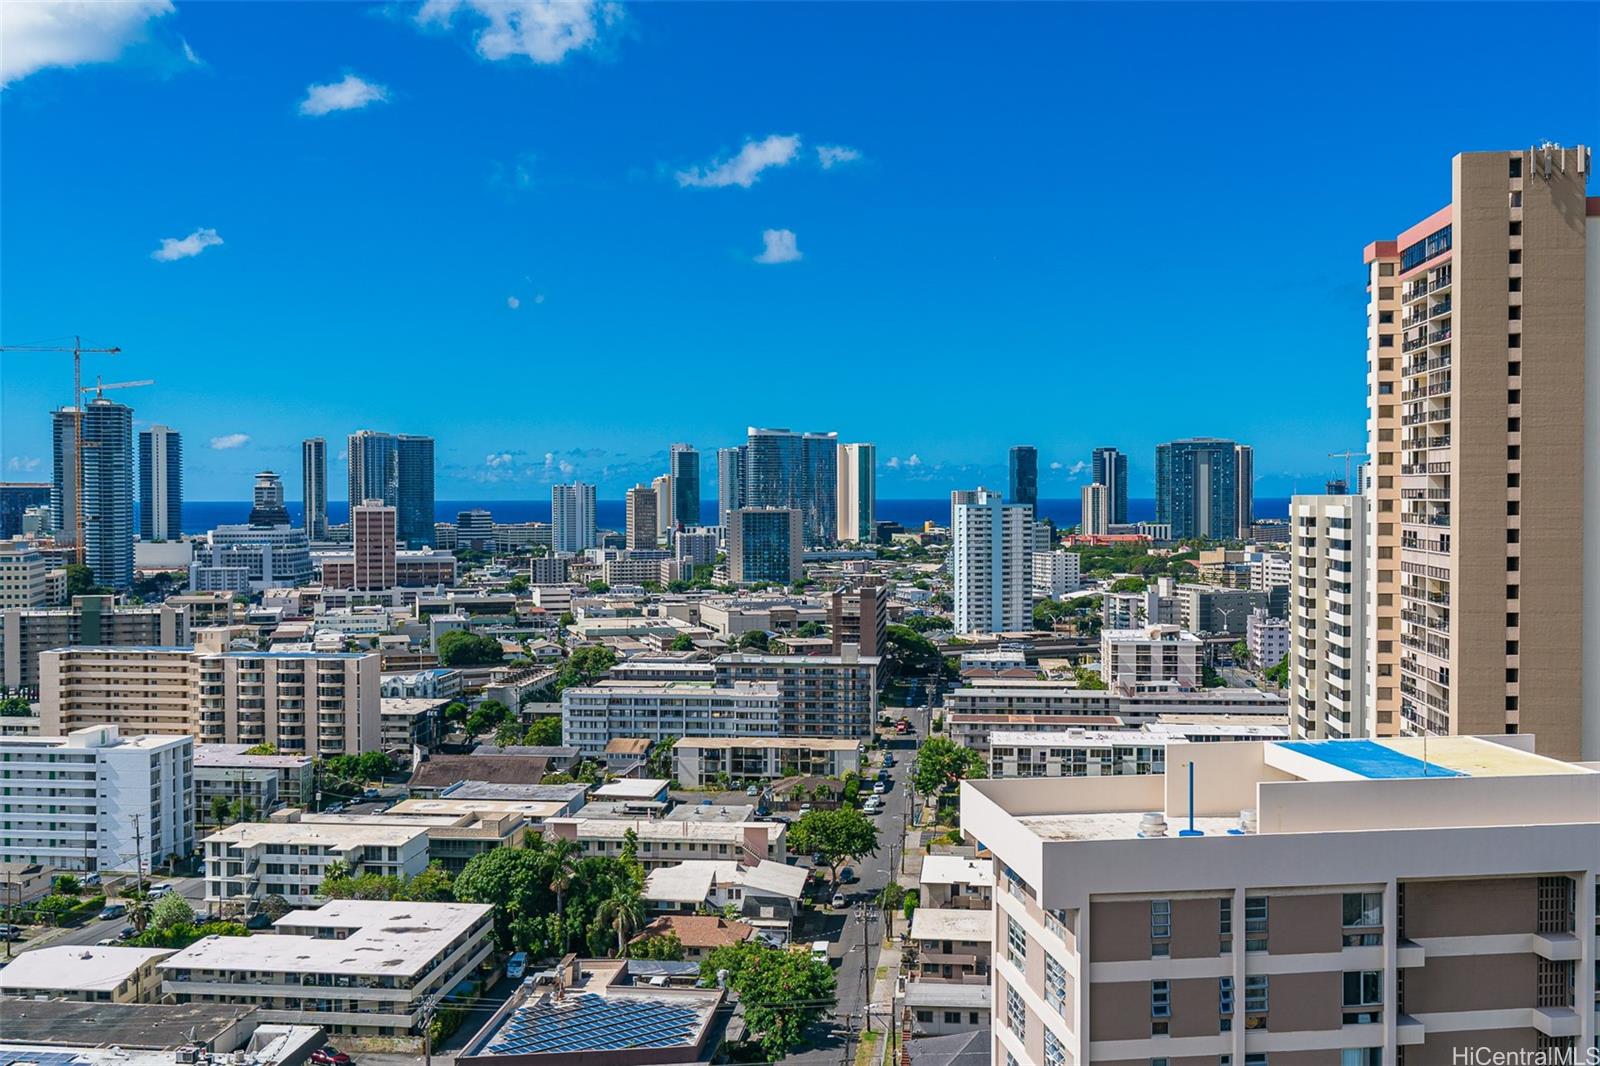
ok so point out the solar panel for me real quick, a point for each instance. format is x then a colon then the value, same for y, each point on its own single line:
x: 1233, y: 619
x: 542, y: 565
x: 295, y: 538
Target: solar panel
x: 584, y: 1021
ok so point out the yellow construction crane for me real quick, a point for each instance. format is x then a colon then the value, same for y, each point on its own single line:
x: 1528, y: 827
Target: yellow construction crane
x: 78, y: 352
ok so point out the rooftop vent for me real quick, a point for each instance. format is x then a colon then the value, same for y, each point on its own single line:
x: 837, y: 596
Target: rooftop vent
x: 1247, y: 823
x: 1153, y: 824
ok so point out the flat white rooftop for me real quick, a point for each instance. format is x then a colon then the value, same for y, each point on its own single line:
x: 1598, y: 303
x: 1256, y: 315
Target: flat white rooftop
x: 75, y: 969
x: 346, y: 834
x: 952, y: 923
x: 784, y: 743
x: 632, y: 788
x: 957, y: 870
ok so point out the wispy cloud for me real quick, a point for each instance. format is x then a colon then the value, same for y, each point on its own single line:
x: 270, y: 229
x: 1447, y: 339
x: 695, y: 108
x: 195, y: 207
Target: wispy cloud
x: 185, y: 247
x: 350, y: 93
x: 544, y: 31
x: 778, y: 150
x: 229, y: 441
x: 189, y: 54
x: 830, y: 155
x: 69, y: 33
x: 513, y: 303
x: 25, y: 464
x: 1078, y: 468
x: 780, y: 247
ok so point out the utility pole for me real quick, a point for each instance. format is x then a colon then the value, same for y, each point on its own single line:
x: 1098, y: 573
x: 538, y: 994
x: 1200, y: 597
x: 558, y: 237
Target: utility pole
x: 138, y: 856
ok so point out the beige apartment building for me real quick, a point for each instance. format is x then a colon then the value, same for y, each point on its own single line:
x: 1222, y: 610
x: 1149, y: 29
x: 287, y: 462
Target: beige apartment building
x: 1476, y: 366
x: 143, y: 690
x: 1327, y: 617
x: 1354, y: 902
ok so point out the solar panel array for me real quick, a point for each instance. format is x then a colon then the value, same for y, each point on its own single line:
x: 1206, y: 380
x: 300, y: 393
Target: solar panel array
x: 583, y: 1021
x: 40, y: 1058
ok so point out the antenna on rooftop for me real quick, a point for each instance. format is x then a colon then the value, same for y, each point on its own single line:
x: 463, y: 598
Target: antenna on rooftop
x: 1191, y: 831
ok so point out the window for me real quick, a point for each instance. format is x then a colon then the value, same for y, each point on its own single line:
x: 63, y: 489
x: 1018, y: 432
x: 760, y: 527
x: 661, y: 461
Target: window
x: 1255, y: 923
x: 1514, y: 285
x: 1362, y: 911
x: 1055, y: 984
x: 1054, y: 1053
x: 1255, y: 993
x: 1363, y: 997
x: 1160, y: 919
x: 925, y: 1016
x: 1516, y: 166
x: 1160, y: 1006
x: 1361, y: 1056
x: 952, y: 1017
x: 1513, y: 340
x: 1016, y: 1014
x: 1225, y: 997
x: 1016, y: 941
x: 1515, y: 256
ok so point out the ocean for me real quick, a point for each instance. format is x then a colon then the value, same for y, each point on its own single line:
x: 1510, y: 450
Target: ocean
x: 202, y: 515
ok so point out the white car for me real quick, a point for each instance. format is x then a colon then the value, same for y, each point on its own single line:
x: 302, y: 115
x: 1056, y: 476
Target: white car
x: 879, y: 788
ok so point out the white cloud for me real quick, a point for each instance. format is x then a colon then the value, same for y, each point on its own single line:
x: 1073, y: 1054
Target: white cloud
x: 893, y: 463
x: 513, y: 303
x: 185, y: 247
x: 830, y: 154
x: 188, y: 53
x: 780, y: 247
x: 24, y: 463
x: 1055, y: 466
x: 538, y: 298
x: 348, y: 94
x: 68, y: 33
x: 545, y: 31
x: 1079, y: 467
x: 915, y: 460
x: 497, y: 459
x: 229, y: 441
x: 743, y: 169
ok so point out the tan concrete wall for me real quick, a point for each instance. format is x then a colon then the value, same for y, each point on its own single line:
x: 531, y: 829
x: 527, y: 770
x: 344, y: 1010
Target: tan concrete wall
x: 1470, y: 907
x: 1119, y: 931
x: 1118, y: 1010
x: 1438, y: 1047
x: 1195, y: 928
x: 1304, y: 924
x: 1194, y: 1008
x: 1471, y: 982
x: 1303, y: 1001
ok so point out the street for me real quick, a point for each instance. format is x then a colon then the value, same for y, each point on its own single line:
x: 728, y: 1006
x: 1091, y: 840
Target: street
x: 95, y: 930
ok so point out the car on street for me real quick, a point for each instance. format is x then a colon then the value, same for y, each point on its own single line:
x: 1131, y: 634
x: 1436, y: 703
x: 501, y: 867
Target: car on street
x: 879, y: 788
x: 108, y: 942
x: 10, y: 932
x: 751, y: 790
x: 371, y: 794
x: 91, y: 880
x: 819, y: 950
x: 128, y: 932
x: 328, y: 1056
x: 116, y: 910
x: 159, y: 890
x: 847, y: 876
x: 839, y: 902
x: 517, y: 965
x: 874, y: 805
x: 888, y: 759
x: 805, y: 809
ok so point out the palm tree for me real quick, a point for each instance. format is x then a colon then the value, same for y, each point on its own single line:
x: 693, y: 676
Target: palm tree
x: 624, y: 912
x: 561, y: 857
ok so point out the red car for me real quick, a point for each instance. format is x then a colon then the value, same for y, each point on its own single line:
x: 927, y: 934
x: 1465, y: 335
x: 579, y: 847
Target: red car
x: 327, y: 1056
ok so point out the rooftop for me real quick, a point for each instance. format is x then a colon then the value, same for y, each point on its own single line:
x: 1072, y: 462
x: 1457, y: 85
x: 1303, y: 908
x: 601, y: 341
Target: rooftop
x: 632, y: 788
x: 952, y: 923
x: 128, y: 1025
x: 235, y: 755
x: 692, y: 881
x: 400, y: 939
x: 699, y: 931
x: 957, y: 870
x: 79, y: 969
x: 614, y: 1019
x: 344, y: 834
x: 783, y: 743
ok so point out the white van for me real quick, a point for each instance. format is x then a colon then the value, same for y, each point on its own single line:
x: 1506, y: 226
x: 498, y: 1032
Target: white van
x: 819, y: 950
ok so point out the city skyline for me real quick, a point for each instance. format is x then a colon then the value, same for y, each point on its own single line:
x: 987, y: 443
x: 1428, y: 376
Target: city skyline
x: 654, y: 216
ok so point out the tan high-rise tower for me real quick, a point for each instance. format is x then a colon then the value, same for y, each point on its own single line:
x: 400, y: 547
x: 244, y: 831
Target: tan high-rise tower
x: 1476, y: 369
x: 642, y: 517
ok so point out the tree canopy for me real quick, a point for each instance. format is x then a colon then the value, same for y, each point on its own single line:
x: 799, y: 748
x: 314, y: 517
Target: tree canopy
x: 543, y: 900
x: 781, y: 991
x: 757, y: 639
x: 910, y: 654
x: 941, y: 762
x: 585, y: 666
x: 460, y: 648
x: 840, y: 835
x: 544, y: 732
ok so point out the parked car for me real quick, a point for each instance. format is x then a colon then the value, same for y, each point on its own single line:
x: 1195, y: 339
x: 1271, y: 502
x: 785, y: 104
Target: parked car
x: 115, y: 910
x: 902, y: 727
x: 91, y: 880
x: 805, y: 808
x: 819, y: 950
x: 10, y: 932
x: 128, y: 933
x: 371, y: 794
x: 879, y: 788
x: 108, y: 942
x: 327, y: 1056
x: 888, y: 759
x: 159, y: 890
x: 847, y: 876
x: 517, y: 965
x: 751, y: 790
x: 874, y: 805
x: 839, y: 901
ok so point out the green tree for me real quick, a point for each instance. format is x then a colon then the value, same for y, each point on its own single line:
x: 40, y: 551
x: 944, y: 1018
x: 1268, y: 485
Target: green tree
x: 460, y: 648
x: 545, y: 732
x: 658, y: 763
x: 681, y: 642
x: 15, y: 707
x: 810, y: 629
x: 220, y: 810
x: 509, y: 734
x: 780, y: 991
x: 456, y: 711
x: 890, y: 899
x: 80, y: 582
x: 53, y: 909
x: 1088, y: 678
x: 598, y: 587
x: 518, y: 584
x: 183, y: 934
x: 908, y: 653
x: 262, y: 749
x: 488, y: 716
x: 840, y: 835
x: 68, y: 885
x: 1129, y: 584
x: 566, y: 619
x: 757, y: 639
x: 584, y: 666
x: 1241, y: 651
x: 665, y: 947
x: 1278, y: 674
x: 274, y: 906
x: 561, y: 860
x: 170, y: 910
x: 624, y: 913
x: 941, y: 763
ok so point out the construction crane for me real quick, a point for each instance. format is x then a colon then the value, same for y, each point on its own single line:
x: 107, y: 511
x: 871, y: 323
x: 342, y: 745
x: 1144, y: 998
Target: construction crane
x: 1347, y: 456
x: 78, y: 352
x: 99, y: 387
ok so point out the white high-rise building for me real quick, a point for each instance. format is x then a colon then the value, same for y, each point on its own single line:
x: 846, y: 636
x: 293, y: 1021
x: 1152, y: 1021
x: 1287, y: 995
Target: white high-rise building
x: 992, y: 555
x: 96, y: 800
x: 1329, y: 690
x: 1096, y: 510
x: 572, y: 517
x: 23, y: 570
x: 1055, y: 573
x: 730, y: 482
x: 663, y: 487
x: 858, y: 488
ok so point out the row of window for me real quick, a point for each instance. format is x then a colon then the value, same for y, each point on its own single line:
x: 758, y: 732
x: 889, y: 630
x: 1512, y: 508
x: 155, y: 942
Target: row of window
x: 1360, y: 911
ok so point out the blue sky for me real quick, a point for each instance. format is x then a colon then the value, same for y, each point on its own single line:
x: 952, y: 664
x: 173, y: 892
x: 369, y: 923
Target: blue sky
x: 538, y: 234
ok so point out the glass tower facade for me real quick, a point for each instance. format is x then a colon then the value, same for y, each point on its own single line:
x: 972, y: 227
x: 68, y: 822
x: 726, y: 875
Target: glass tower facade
x: 1110, y: 468
x: 160, y: 483
x: 414, y: 497
x: 1197, y: 488
x: 684, y: 466
x: 1024, y: 475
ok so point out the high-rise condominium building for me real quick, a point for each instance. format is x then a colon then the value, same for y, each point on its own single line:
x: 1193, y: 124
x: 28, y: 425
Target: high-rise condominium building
x: 314, y: 486
x: 1197, y: 488
x: 474, y: 529
x: 1478, y: 528
x: 269, y: 508
x: 1109, y: 467
x: 959, y: 497
x: 1329, y: 903
x: 1327, y: 618
x: 1024, y: 476
x: 1244, y: 484
x: 160, y: 483
x: 372, y: 535
x: 17, y: 498
x: 992, y: 548
x: 858, y: 491
x: 765, y: 544
x: 642, y: 522
x: 107, y: 487
x: 795, y: 470
x: 684, y: 466
x: 662, y: 487
x: 730, y: 481
x: 1097, y: 510
x: 397, y: 469
x: 572, y: 517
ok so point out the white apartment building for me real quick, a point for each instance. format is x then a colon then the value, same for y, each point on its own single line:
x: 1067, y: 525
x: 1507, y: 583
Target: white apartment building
x: 1157, y: 604
x: 248, y: 861
x: 591, y: 715
x: 96, y: 800
x: 821, y: 695
x: 1266, y: 637
x: 1096, y: 506
x: 24, y: 574
x: 361, y: 967
x: 1154, y: 656
x: 993, y: 574
x: 1079, y: 752
x: 248, y: 558
x: 1318, y: 902
x: 700, y: 760
x: 572, y: 517
x: 1330, y: 687
x: 1055, y: 573
x: 667, y: 842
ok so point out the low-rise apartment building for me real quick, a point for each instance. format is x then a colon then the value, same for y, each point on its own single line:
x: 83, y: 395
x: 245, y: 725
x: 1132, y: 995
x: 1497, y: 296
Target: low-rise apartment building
x: 235, y: 794
x: 948, y: 969
x: 591, y: 715
x: 361, y: 967
x: 1350, y: 901
x: 246, y: 862
x: 1080, y: 752
x: 95, y: 800
x: 1152, y: 657
x: 215, y: 763
x: 957, y: 881
x: 666, y: 843
x: 406, y: 724
x: 86, y: 974
x: 700, y: 760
